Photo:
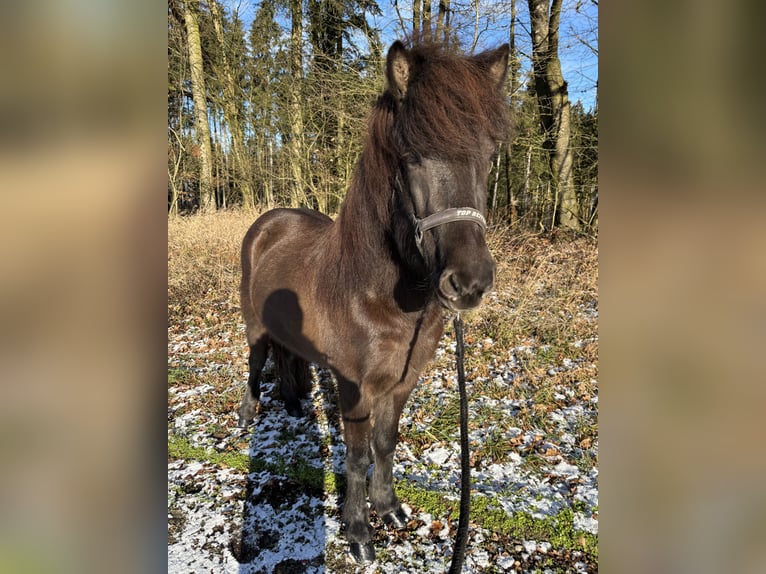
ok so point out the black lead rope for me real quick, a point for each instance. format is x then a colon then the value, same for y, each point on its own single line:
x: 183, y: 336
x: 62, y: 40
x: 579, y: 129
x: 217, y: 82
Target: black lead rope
x: 461, y: 537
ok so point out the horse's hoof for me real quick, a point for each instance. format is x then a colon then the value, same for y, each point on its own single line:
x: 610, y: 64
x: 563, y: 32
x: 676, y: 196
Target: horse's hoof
x: 247, y: 412
x: 396, y: 519
x: 244, y: 422
x: 294, y: 409
x: 362, y: 553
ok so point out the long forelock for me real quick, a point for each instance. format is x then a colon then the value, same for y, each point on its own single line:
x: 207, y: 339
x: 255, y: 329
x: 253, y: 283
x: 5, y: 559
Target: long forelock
x: 450, y: 107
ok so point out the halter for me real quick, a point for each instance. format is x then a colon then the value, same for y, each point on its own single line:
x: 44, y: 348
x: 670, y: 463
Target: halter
x: 446, y: 216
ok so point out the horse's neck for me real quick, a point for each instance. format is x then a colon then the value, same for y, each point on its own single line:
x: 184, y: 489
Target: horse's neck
x: 368, y: 261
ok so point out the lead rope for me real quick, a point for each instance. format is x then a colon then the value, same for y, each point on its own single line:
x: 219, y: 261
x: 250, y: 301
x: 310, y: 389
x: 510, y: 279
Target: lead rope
x: 461, y: 537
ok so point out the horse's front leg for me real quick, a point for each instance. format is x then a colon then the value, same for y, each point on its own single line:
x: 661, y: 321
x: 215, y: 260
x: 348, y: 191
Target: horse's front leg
x: 386, y: 413
x: 356, y: 433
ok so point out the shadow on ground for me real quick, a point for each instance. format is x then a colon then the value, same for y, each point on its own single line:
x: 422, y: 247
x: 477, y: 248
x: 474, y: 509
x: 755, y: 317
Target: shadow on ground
x: 296, y: 479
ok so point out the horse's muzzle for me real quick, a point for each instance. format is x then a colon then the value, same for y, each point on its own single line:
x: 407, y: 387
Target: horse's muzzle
x: 459, y: 289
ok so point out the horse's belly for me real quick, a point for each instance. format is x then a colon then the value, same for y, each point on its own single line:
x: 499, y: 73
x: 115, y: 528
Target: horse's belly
x: 278, y: 276
x: 291, y: 322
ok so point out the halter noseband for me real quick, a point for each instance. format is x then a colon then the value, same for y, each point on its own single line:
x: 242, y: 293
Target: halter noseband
x: 446, y: 216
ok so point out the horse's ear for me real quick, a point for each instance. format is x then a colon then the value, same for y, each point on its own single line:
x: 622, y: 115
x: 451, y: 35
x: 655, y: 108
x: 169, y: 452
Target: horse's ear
x: 496, y: 63
x: 398, y: 69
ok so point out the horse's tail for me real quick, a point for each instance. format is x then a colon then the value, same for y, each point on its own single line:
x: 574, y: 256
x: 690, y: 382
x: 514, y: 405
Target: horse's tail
x: 294, y: 378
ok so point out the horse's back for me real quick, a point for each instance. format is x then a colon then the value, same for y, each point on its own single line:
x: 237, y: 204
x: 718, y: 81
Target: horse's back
x: 281, y: 226
x: 284, y: 219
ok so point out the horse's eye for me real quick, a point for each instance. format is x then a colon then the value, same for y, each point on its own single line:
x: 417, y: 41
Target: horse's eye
x: 411, y: 158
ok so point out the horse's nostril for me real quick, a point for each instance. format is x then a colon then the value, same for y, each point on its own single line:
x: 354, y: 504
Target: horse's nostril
x: 454, y: 284
x: 464, y: 289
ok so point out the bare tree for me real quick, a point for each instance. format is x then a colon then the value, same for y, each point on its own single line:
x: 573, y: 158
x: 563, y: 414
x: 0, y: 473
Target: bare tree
x: 231, y: 95
x: 206, y: 193
x: 297, y: 190
x: 553, y: 102
x: 442, y: 20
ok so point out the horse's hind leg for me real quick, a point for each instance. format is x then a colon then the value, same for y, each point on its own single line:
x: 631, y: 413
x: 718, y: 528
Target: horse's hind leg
x: 294, y: 379
x: 257, y: 359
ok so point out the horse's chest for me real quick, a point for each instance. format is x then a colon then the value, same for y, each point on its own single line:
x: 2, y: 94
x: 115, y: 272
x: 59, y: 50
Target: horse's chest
x: 400, y: 352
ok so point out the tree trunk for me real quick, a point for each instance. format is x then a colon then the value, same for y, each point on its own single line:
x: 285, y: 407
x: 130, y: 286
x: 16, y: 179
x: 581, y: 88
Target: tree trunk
x: 230, y: 110
x: 442, y: 21
x: 416, y: 17
x: 525, y: 194
x: 593, y: 208
x: 563, y: 176
x: 297, y: 194
x: 206, y: 192
x: 511, y: 200
x: 268, y: 185
x: 174, y: 158
x: 497, y: 181
x: 553, y: 102
x: 421, y: 18
x: 327, y: 27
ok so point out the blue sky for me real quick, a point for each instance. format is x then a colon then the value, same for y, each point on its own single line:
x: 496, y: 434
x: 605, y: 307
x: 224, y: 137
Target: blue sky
x: 578, y: 34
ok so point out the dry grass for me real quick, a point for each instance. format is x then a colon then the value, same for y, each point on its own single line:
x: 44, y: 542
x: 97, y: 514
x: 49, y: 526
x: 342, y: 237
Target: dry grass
x: 546, y: 289
x: 203, y: 264
x: 546, y: 302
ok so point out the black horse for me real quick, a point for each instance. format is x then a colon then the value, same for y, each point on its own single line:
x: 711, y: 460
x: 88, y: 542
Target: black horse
x: 365, y: 295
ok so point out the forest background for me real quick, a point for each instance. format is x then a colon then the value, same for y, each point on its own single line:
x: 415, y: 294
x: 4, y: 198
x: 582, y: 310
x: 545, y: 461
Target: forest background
x: 267, y: 100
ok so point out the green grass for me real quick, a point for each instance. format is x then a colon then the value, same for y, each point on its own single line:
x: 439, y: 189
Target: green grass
x: 315, y: 479
x: 557, y: 529
x: 181, y: 448
x: 178, y: 376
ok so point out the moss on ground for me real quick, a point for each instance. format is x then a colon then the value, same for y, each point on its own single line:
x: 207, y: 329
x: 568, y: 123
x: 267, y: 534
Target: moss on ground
x: 181, y: 448
x: 557, y: 529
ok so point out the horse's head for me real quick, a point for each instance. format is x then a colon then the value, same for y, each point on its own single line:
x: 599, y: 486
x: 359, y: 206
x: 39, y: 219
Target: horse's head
x: 449, y: 116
